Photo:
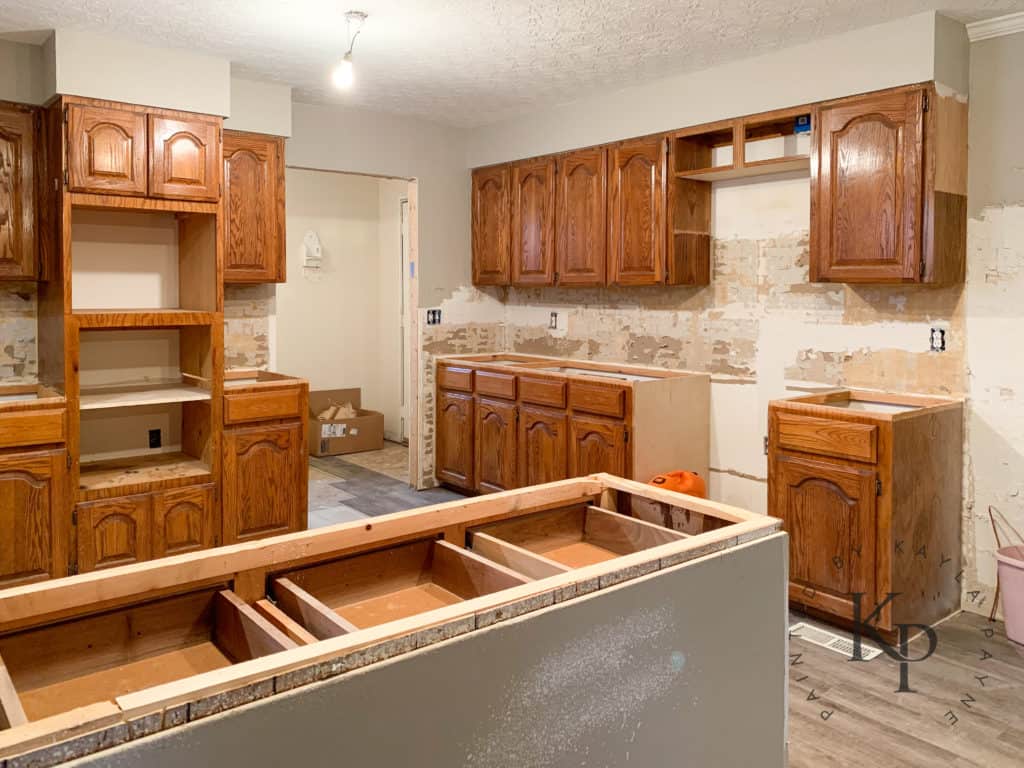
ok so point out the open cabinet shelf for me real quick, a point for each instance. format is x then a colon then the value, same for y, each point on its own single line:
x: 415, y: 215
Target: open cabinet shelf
x: 138, y: 474
x: 133, y: 395
x: 127, y: 319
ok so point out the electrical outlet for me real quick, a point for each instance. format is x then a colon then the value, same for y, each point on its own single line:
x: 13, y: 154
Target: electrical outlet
x: 433, y: 317
x: 553, y: 322
x: 938, y: 340
x: 154, y: 438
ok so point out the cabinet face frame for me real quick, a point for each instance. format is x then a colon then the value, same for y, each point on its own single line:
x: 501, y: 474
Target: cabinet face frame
x: 533, y: 222
x: 491, y: 226
x: 893, y: 118
x: 254, y: 208
x: 636, y: 211
x: 19, y: 174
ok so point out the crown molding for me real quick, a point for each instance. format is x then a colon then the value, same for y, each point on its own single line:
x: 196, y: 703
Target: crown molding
x: 997, y: 27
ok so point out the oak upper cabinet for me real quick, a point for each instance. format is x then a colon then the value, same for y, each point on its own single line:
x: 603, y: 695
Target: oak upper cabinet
x: 533, y: 222
x: 254, y: 219
x: 114, y: 532
x: 183, y: 520
x: 263, y: 481
x: 543, y: 445
x: 495, y: 443
x: 867, y: 188
x: 581, y: 241
x: 106, y: 150
x: 596, y: 445
x: 828, y: 509
x: 491, y: 226
x: 185, y: 158
x: 455, y: 454
x: 18, y: 244
x: 32, y: 517
x: 636, y: 206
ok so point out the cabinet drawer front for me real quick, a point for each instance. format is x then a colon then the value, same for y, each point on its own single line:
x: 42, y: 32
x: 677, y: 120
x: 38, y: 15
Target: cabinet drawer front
x: 848, y: 440
x: 31, y: 428
x: 595, y: 398
x: 496, y: 384
x: 451, y: 377
x: 262, y: 406
x: 542, y: 391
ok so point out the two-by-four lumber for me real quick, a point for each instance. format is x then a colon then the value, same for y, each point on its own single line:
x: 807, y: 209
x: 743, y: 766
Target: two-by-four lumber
x: 511, y: 556
x: 320, y: 620
x: 284, y: 622
x: 242, y: 633
x: 469, y: 575
x: 624, y: 535
x: 11, y: 711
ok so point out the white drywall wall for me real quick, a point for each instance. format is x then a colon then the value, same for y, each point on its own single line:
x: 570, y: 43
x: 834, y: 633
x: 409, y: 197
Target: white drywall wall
x: 260, y: 107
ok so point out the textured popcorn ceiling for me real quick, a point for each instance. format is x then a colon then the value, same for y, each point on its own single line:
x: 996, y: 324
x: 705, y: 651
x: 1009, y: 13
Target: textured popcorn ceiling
x: 472, y: 62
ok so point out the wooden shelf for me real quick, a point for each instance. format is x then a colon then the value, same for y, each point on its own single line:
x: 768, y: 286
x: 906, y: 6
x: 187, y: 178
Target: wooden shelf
x: 142, y: 318
x: 130, y: 395
x: 755, y: 168
x: 138, y: 474
x: 143, y: 204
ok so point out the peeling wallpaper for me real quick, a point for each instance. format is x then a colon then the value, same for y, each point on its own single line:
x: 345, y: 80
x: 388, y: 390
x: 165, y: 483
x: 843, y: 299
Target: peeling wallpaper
x: 247, y: 313
x: 18, y: 348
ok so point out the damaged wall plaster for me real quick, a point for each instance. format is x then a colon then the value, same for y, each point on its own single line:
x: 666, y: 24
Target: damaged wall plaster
x: 248, y: 313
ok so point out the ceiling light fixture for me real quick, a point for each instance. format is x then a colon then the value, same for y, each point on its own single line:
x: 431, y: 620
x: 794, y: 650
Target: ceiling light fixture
x: 344, y: 74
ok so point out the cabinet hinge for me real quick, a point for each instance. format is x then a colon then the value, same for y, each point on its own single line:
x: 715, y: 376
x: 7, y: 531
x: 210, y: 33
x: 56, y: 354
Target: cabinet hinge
x: 924, y: 267
x: 878, y: 487
x: 65, y: 114
x: 766, y: 445
x: 72, y: 569
x: 65, y: 177
x: 926, y: 104
x: 67, y: 460
x: 74, y: 517
x: 625, y: 435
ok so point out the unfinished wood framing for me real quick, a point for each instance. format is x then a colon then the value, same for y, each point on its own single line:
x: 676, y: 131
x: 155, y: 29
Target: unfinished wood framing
x: 169, y: 641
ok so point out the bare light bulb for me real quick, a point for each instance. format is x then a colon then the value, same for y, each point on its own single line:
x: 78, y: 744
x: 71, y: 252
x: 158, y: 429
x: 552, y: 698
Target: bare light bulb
x: 344, y: 74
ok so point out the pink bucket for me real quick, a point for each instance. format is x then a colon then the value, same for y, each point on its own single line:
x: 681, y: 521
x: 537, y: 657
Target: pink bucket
x: 1011, y: 583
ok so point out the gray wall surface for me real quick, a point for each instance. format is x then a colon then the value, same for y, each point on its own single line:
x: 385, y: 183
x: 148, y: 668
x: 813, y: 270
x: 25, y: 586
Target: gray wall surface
x: 685, y: 667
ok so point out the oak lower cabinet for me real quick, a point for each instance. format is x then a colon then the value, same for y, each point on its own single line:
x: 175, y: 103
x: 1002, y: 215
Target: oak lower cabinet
x: 254, y: 219
x: 264, y: 468
x: 508, y: 421
x: 114, y: 532
x: 32, y: 517
x: 455, y: 455
x: 868, y: 486
x: 185, y: 520
x: 495, y: 440
x: 18, y: 190
x: 543, y: 445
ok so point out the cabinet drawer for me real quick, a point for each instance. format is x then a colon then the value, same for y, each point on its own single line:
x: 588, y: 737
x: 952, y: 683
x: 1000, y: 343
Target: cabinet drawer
x: 598, y: 398
x: 262, y: 406
x: 542, y: 391
x: 31, y: 428
x: 496, y: 384
x: 845, y: 439
x: 452, y: 377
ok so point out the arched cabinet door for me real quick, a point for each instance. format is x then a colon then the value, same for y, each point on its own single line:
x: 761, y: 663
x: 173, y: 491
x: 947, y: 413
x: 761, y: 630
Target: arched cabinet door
x: 18, y: 251
x: 828, y: 509
x: 582, y: 210
x: 254, y: 219
x: 32, y: 517
x: 114, y: 532
x: 495, y: 445
x: 184, y: 158
x: 867, y: 188
x: 533, y: 222
x: 491, y: 226
x: 636, y: 212
x: 183, y: 520
x: 543, y: 445
x: 596, y: 445
x: 454, y: 457
x: 262, y: 476
x: 106, y: 150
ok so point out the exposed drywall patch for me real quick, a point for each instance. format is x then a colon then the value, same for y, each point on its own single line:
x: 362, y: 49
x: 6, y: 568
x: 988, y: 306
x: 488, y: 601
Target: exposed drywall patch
x: 18, y: 349
x: 247, y: 315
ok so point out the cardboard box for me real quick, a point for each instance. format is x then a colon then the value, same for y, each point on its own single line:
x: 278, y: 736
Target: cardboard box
x: 363, y: 432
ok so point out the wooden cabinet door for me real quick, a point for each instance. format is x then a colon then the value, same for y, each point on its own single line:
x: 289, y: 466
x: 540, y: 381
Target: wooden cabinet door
x: 263, y: 476
x: 114, y: 532
x: 543, y: 445
x: 491, y: 226
x: 533, y: 222
x: 184, y: 158
x: 33, y: 520
x: 18, y: 244
x: 106, y: 150
x: 828, y: 509
x: 867, y: 189
x: 254, y: 220
x: 495, y: 444
x: 581, y: 218
x: 183, y: 520
x: 636, y: 212
x: 455, y: 456
x: 596, y: 445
